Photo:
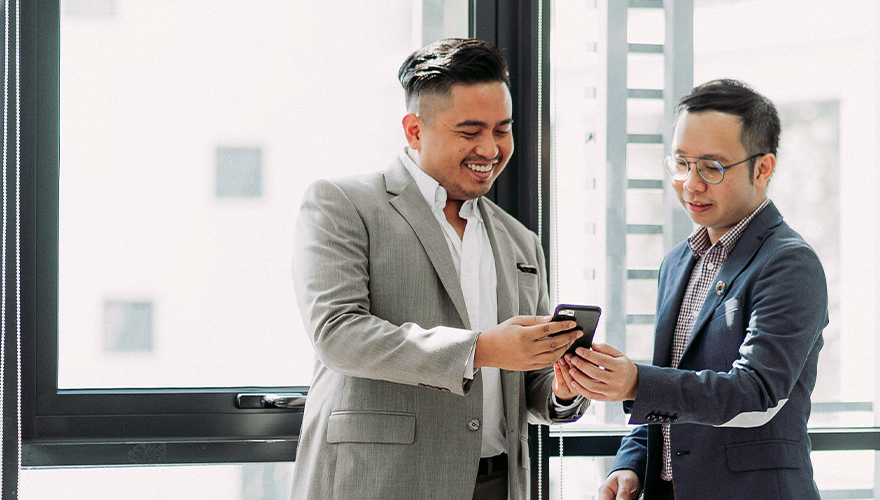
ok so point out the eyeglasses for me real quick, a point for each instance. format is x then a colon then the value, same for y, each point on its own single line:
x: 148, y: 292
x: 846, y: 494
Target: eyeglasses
x: 711, y: 171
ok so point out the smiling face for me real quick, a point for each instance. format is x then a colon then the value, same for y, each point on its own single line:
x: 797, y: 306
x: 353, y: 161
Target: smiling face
x: 464, y: 139
x: 716, y: 136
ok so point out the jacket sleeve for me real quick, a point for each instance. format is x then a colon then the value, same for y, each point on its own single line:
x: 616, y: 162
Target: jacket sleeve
x: 785, y: 310
x: 331, y: 277
x: 633, y: 453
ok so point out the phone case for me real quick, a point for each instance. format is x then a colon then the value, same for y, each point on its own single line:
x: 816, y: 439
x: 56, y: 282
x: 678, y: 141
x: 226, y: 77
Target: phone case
x: 586, y: 317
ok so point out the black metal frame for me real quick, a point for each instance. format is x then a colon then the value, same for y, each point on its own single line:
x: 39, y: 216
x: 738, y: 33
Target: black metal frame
x: 100, y: 427
x: 597, y: 444
x: 174, y: 426
x: 517, y: 190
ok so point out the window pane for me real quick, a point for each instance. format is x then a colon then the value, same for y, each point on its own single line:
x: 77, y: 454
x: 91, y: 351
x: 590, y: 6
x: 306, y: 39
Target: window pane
x: 827, y: 122
x: 217, y: 482
x: 644, y: 116
x: 189, y: 131
x: 645, y: 26
x: 645, y: 71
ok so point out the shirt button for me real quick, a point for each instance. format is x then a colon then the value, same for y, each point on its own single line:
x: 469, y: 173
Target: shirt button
x: 710, y: 266
x: 474, y: 424
x: 695, y: 314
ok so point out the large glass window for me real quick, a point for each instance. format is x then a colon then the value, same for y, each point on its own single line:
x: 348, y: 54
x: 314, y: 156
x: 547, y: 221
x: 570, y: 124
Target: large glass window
x: 170, y: 168
x: 183, y: 161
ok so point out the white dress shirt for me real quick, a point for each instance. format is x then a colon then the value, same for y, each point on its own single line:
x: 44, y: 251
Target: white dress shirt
x: 475, y: 264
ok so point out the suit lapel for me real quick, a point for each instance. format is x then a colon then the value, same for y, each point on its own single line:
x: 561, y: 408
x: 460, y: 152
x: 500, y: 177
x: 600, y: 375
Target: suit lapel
x: 667, y: 313
x: 409, y: 202
x: 739, y: 258
x: 505, y: 270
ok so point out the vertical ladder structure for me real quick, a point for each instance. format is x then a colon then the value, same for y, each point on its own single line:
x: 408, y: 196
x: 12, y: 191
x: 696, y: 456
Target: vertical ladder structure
x: 677, y: 51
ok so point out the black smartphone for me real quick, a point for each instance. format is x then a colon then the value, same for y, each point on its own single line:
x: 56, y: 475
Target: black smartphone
x: 586, y: 317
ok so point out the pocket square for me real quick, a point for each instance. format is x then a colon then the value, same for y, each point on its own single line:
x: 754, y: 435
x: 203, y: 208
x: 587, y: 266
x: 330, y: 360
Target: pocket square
x: 527, y: 268
x: 730, y: 308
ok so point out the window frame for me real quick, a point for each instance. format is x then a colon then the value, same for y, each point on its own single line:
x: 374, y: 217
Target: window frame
x: 68, y: 427
x: 107, y: 427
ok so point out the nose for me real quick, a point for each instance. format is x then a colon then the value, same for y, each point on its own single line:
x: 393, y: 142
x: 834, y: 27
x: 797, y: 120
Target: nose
x: 487, y: 147
x: 693, y: 182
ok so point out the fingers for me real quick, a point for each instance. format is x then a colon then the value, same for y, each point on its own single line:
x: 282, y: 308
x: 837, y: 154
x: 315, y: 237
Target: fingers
x: 563, y: 376
x: 538, y: 327
x: 564, y: 371
x: 559, y: 342
x: 617, y: 380
x: 587, y: 393
x: 529, y: 320
x: 561, y: 386
x: 608, y: 490
x: 622, y: 484
x: 597, y: 357
x: 594, y: 378
x: 607, y: 350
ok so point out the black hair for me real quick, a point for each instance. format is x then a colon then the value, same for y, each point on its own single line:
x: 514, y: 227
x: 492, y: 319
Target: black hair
x: 435, y: 68
x: 760, y: 120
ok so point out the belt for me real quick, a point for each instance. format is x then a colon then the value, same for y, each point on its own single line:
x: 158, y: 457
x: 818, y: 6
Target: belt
x: 488, y: 465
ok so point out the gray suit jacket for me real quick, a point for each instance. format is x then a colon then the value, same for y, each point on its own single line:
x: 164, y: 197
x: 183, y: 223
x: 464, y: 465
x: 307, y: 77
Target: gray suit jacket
x: 740, y: 399
x: 388, y: 415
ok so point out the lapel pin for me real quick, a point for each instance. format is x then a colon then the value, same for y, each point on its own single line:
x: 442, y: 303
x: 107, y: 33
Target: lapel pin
x: 719, y: 288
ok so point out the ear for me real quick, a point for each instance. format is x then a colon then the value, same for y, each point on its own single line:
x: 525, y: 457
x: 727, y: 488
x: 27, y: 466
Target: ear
x: 764, y: 167
x: 412, y: 128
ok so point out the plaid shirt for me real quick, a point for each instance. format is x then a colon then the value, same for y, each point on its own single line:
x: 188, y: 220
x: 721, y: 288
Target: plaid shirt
x: 710, y: 258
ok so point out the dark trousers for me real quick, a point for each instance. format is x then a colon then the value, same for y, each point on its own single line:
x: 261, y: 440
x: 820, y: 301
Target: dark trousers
x: 491, y: 479
x: 491, y: 486
x: 667, y: 490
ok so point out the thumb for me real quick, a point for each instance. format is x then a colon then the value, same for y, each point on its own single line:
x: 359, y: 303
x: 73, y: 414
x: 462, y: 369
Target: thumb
x: 607, y: 350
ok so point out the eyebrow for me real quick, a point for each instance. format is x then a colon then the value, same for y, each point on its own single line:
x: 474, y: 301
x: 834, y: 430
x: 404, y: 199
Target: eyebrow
x: 706, y: 157
x: 477, y: 123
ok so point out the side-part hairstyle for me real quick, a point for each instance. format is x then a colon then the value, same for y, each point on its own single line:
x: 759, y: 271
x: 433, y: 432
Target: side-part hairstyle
x: 760, y: 120
x: 435, y: 68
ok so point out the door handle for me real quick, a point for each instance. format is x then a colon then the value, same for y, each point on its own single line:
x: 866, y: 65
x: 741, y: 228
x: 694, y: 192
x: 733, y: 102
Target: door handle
x: 287, y: 400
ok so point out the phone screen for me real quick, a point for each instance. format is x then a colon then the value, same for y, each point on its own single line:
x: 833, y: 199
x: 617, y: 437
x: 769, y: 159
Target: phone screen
x: 586, y: 317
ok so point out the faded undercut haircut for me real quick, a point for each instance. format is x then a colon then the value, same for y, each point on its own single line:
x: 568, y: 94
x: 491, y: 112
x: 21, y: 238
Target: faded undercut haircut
x: 760, y: 120
x: 437, y: 67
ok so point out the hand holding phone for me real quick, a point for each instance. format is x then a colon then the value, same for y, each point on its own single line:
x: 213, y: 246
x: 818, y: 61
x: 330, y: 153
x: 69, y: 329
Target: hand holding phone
x: 586, y: 317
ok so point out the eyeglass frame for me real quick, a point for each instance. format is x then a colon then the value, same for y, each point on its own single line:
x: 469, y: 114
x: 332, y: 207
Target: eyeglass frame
x: 666, y: 164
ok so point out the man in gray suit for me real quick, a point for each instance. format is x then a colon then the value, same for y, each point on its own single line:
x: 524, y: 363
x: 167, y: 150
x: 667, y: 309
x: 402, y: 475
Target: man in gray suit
x: 427, y: 306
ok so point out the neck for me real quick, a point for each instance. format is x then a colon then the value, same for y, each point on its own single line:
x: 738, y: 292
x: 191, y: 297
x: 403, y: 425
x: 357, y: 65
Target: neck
x: 452, y: 208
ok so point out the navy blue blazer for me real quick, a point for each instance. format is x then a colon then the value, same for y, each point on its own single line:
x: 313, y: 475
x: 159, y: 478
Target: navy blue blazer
x: 740, y: 399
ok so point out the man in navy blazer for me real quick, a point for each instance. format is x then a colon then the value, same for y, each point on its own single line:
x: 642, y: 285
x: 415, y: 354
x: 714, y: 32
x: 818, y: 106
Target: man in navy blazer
x: 740, y: 311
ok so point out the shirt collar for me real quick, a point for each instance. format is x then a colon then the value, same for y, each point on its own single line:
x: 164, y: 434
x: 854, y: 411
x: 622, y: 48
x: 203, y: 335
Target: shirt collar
x: 435, y: 194
x: 700, y: 243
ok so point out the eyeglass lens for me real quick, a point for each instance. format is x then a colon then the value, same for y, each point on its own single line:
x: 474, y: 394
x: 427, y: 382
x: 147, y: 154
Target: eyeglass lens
x: 710, y: 170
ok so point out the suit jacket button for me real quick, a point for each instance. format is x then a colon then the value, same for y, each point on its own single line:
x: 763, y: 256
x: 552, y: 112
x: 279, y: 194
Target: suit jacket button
x: 474, y: 424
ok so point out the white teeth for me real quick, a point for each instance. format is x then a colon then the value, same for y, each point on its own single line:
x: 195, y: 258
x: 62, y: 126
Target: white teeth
x: 480, y: 168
